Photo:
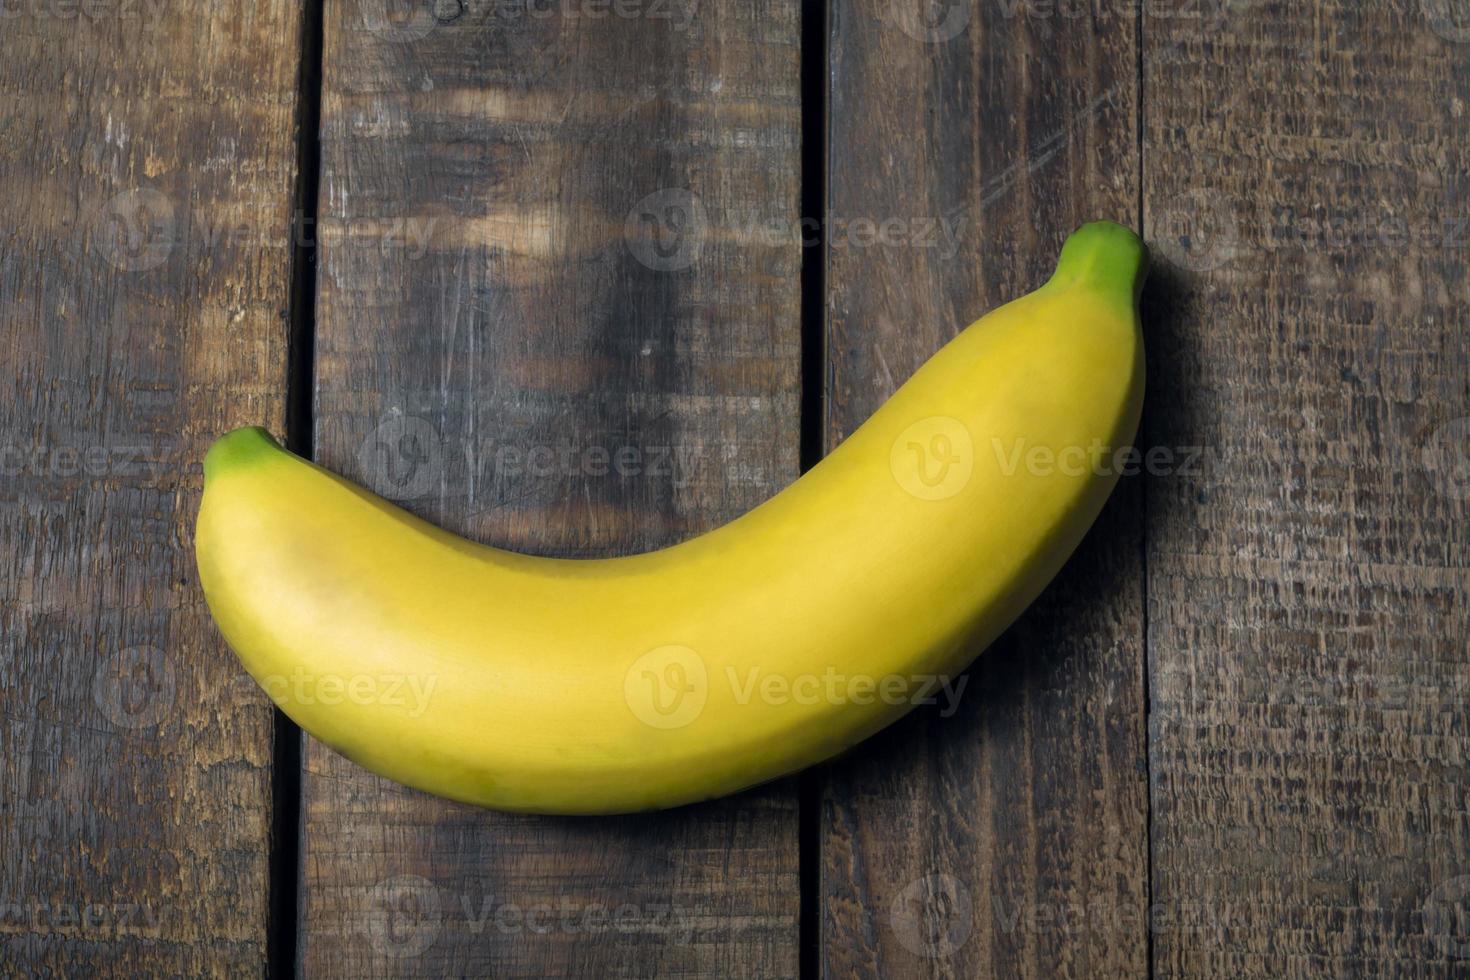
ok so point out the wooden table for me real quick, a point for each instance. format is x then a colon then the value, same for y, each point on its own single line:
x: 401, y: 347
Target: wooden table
x: 461, y: 251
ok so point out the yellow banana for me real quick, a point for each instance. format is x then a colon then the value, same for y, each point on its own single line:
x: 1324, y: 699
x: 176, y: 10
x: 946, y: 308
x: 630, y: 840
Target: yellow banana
x: 769, y: 644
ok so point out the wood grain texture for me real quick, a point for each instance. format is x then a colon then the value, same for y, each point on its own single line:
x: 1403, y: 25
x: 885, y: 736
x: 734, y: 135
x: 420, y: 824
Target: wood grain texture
x: 1010, y: 839
x: 146, y: 161
x: 554, y: 316
x: 1306, y: 182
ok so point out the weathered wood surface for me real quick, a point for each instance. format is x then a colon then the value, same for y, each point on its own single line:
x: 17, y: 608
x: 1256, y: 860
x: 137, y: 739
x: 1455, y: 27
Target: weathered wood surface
x: 558, y: 311
x: 1307, y: 168
x: 146, y: 161
x: 554, y: 316
x: 1011, y: 838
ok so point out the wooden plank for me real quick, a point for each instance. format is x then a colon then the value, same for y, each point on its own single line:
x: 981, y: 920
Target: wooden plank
x: 1009, y: 839
x: 146, y: 157
x: 1308, y: 590
x: 553, y: 316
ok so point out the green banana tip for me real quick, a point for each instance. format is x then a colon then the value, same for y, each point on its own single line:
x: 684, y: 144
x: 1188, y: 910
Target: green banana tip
x: 1105, y: 254
x: 238, y: 448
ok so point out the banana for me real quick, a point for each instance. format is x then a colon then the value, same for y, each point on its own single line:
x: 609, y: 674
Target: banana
x: 752, y: 651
